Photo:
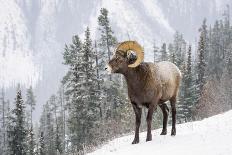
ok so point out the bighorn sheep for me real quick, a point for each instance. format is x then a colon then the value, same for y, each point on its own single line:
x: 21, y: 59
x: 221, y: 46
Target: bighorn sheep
x: 149, y: 84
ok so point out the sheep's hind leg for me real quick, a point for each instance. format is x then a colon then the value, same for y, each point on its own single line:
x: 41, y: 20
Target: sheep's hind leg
x: 138, y: 112
x: 173, y: 106
x: 165, y: 111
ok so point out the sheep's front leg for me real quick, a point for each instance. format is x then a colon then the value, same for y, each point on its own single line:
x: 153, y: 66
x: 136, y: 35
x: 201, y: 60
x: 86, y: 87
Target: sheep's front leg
x: 151, y: 109
x: 138, y: 112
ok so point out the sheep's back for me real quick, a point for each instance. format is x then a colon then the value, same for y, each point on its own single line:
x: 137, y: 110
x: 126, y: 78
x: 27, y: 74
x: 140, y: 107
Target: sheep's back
x: 169, y: 77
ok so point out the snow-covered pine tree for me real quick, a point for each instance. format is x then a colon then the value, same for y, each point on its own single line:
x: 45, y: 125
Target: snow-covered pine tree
x: 17, y: 131
x: 3, y: 138
x: 189, y: 87
x: 216, y: 66
x: 90, y: 93
x: 201, y: 61
x: 7, y: 128
x: 171, y: 53
x: 57, y: 132
x: 178, y: 57
x: 73, y: 89
x: 62, y: 117
x: 30, y: 101
x: 163, y: 51
x: 82, y: 91
x: 49, y: 133
x: 179, y: 47
x: 42, y: 150
x: 107, y: 40
x: 155, y: 52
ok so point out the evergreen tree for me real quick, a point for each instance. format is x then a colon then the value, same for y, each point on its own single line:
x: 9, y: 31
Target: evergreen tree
x: 30, y: 100
x: 58, y: 133
x: 172, y: 57
x: 201, y: 63
x: 62, y: 118
x: 156, y: 52
x: 189, y: 97
x: 179, y: 47
x: 83, y: 93
x: 17, y: 132
x: 73, y: 57
x: 107, y: 39
x: 3, y: 138
x: 216, y: 65
x: 31, y: 141
x: 41, y: 145
x: 164, y: 54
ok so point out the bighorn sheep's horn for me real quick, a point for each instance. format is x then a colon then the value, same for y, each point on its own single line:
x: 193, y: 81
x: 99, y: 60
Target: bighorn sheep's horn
x: 132, y: 46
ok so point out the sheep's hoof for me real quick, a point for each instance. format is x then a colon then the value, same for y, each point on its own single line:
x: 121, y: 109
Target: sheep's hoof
x: 173, y: 133
x: 164, y: 132
x: 149, y: 138
x: 135, y: 141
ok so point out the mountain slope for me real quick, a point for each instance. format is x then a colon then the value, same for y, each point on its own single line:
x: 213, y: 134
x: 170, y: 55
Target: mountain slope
x: 16, y: 60
x: 209, y: 136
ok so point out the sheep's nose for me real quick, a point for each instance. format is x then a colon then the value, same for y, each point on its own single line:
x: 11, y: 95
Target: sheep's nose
x: 108, y: 69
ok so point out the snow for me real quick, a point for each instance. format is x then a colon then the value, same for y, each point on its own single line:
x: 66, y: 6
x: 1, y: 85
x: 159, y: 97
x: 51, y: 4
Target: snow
x: 209, y: 136
x: 16, y: 62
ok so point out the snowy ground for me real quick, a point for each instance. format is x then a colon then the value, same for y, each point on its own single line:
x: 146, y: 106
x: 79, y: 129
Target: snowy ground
x: 211, y: 136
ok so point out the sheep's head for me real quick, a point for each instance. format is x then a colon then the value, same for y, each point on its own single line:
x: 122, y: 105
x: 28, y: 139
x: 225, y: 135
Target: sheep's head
x: 127, y: 54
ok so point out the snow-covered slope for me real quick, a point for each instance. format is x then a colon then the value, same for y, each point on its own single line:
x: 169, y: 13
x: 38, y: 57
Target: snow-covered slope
x: 211, y: 136
x: 16, y: 60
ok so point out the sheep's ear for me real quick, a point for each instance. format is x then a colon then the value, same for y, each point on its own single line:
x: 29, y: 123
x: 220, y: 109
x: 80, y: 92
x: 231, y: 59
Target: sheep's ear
x: 131, y: 56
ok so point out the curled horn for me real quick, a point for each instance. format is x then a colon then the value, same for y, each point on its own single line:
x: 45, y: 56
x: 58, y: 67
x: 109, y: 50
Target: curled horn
x: 132, y: 46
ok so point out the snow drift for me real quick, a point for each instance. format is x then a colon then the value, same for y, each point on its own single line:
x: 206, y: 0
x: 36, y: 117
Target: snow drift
x: 209, y: 136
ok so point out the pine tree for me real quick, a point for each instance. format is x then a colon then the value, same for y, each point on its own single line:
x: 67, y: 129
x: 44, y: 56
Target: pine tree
x: 62, y: 117
x: 202, y: 52
x: 73, y: 89
x: 179, y: 47
x: 172, y: 57
x: 177, y: 56
x: 189, y: 99
x: 30, y: 100
x: 17, y: 132
x: 3, y: 138
x: 31, y: 142
x: 216, y: 63
x: 49, y: 133
x: 57, y: 134
x: 107, y: 39
x: 82, y: 92
x: 163, y: 51
x: 41, y: 145
x: 156, y: 52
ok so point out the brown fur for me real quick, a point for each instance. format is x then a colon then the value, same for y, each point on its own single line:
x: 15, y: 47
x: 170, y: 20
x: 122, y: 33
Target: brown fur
x: 149, y: 85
